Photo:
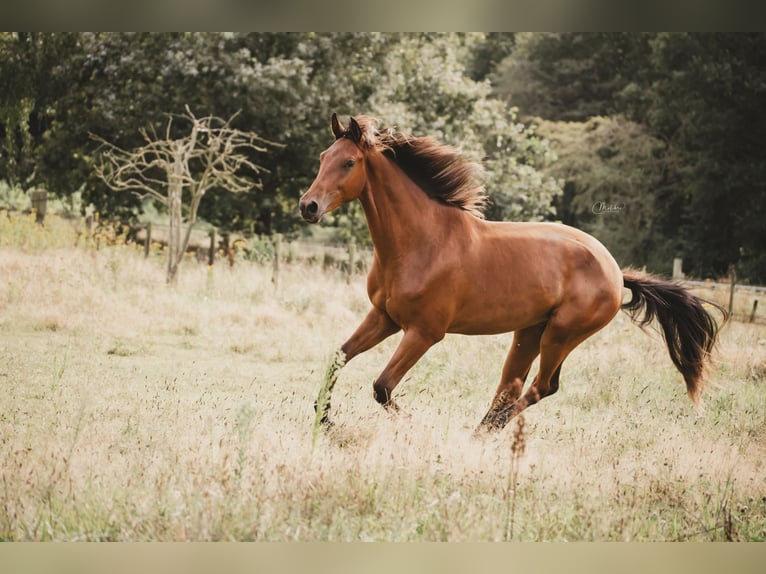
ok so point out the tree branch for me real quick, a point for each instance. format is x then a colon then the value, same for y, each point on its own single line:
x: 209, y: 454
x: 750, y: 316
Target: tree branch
x: 214, y: 154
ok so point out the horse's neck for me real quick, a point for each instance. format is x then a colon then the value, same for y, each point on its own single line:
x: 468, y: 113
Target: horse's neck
x: 401, y: 216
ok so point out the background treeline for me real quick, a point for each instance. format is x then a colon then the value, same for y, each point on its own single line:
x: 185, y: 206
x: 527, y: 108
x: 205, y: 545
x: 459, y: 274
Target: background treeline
x: 665, y: 130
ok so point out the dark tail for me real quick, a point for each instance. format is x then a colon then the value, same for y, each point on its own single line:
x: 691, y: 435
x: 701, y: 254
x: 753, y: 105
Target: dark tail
x: 689, y: 330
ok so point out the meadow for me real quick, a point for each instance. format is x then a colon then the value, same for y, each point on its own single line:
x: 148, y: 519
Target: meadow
x: 132, y: 411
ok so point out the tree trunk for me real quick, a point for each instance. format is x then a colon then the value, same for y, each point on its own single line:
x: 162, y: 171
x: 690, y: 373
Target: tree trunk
x: 213, y: 155
x: 175, y: 253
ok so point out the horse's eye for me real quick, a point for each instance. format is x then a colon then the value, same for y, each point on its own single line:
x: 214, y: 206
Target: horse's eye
x: 349, y: 164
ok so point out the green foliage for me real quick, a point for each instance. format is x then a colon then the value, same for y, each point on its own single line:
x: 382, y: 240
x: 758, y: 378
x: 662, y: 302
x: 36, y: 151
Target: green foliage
x: 30, y: 68
x: 701, y: 95
x: 613, y: 167
x: 710, y: 108
x: 286, y: 85
x: 488, y: 54
x: 573, y: 76
x: 429, y: 91
x: 261, y: 250
x: 514, y: 156
x: 13, y: 197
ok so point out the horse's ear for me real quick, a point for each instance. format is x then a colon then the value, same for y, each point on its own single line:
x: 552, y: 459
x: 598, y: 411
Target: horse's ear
x: 337, y: 128
x: 354, y: 131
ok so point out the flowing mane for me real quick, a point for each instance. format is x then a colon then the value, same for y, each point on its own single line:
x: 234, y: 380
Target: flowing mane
x: 440, y: 170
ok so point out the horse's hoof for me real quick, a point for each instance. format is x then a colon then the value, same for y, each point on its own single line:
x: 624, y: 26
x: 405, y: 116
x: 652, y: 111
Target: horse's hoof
x: 484, y: 430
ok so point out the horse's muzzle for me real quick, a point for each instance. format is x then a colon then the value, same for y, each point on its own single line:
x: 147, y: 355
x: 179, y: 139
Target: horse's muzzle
x: 309, y: 211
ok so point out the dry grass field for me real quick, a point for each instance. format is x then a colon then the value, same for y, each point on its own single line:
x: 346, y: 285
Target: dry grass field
x: 131, y: 411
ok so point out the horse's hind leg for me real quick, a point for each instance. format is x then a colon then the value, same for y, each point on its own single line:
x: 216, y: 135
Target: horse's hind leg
x: 545, y: 384
x: 561, y: 335
x: 524, y: 350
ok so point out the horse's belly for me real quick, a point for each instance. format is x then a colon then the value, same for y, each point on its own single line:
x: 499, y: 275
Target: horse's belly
x: 492, y: 320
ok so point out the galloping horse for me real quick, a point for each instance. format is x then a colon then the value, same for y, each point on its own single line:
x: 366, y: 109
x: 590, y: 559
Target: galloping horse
x: 439, y: 268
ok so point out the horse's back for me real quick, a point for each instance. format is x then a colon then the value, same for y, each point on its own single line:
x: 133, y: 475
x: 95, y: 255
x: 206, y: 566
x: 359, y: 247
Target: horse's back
x: 513, y: 275
x: 563, y: 248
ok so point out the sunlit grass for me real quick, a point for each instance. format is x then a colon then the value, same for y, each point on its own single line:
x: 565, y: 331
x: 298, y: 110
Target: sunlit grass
x: 132, y: 411
x: 20, y: 230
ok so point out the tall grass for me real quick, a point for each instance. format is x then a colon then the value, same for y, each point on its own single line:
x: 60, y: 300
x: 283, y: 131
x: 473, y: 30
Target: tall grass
x: 20, y: 230
x: 131, y: 411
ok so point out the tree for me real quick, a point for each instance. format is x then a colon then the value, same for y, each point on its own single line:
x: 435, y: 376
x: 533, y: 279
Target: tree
x: 302, y: 80
x: 423, y: 88
x: 118, y: 81
x: 707, y: 103
x: 31, y: 79
x: 286, y: 84
x: 574, y: 76
x: 488, y: 54
x: 615, y: 187
x: 700, y: 94
x: 212, y: 155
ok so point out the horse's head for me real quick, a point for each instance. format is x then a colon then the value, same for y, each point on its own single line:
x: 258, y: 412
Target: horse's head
x: 342, y: 172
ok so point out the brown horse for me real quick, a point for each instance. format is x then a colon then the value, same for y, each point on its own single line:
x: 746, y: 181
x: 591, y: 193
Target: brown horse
x: 439, y: 268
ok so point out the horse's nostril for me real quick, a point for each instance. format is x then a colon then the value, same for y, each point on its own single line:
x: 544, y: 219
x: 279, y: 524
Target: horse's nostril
x: 309, y: 210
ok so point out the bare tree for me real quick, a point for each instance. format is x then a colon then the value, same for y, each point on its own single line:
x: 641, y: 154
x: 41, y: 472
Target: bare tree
x: 170, y: 170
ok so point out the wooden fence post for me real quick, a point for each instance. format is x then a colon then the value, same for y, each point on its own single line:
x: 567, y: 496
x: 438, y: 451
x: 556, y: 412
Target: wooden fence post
x: 277, y: 257
x: 39, y: 199
x: 228, y: 248
x: 752, y: 313
x: 678, y: 265
x: 211, y: 251
x: 733, y: 275
x: 148, y: 239
x: 89, y: 226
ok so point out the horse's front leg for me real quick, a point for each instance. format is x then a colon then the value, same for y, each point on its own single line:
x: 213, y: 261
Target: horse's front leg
x: 375, y: 327
x: 413, y: 345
